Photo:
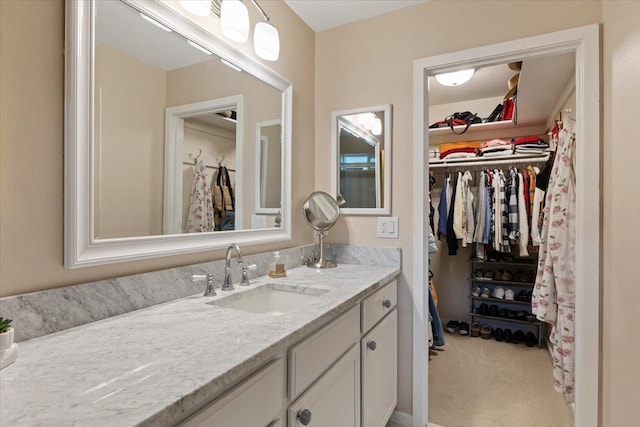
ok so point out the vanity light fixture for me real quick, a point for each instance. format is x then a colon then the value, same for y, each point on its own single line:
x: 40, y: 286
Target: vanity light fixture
x: 234, y: 20
x: 197, y: 7
x: 154, y: 22
x: 455, y: 78
x: 200, y: 48
x: 266, y: 40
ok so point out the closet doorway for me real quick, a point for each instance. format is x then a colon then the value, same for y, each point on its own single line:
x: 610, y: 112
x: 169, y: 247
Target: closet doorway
x: 583, y: 43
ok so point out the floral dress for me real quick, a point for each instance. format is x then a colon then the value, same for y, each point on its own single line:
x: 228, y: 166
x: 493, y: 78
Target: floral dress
x: 200, y: 216
x: 553, y: 293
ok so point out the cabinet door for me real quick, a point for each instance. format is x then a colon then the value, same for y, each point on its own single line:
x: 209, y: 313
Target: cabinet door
x: 334, y: 400
x: 255, y: 402
x: 379, y: 372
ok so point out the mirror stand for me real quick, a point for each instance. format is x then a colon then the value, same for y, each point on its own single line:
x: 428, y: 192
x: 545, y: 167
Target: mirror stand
x: 320, y: 261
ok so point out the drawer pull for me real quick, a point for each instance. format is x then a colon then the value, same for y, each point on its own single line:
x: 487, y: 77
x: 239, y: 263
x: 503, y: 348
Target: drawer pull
x: 304, y: 416
x: 386, y: 303
x: 372, y: 345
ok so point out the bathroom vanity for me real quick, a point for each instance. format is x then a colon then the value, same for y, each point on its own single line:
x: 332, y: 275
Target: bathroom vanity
x: 317, y: 347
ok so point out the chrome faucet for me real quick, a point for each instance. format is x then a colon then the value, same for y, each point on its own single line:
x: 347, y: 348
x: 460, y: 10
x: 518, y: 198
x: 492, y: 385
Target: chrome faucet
x: 227, y: 285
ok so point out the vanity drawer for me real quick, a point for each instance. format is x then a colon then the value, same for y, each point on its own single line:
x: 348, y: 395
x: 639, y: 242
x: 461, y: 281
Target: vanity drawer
x: 309, y: 359
x: 257, y: 401
x: 378, y: 305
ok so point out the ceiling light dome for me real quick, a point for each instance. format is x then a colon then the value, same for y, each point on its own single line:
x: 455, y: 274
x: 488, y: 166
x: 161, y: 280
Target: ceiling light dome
x: 455, y: 78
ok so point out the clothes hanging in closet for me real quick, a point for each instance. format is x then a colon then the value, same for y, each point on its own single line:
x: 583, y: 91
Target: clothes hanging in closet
x: 554, y: 290
x: 497, y: 214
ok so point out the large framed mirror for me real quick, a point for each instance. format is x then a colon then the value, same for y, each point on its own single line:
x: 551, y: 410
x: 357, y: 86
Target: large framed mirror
x: 361, y: 159
x: 157, y: 111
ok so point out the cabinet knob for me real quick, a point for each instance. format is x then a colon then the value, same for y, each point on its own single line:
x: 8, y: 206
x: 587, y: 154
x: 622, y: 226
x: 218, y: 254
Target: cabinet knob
x: 304, y: 416
x: 372, y: 345
x: 386, y: 303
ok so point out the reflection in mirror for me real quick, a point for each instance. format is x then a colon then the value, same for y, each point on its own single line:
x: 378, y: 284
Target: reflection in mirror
x: 268, y: 166
x: 145, y: 93
x: 362, y: 147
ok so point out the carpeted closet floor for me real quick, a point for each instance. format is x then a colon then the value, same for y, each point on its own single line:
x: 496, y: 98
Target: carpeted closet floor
x: 485, y: 383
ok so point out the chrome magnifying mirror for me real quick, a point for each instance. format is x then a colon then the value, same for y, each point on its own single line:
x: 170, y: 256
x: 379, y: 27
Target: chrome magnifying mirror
x: 321, y: 212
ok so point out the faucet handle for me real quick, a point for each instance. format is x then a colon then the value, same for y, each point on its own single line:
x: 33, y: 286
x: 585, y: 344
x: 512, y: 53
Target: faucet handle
x: 245, y: 278
x: 210, y: 290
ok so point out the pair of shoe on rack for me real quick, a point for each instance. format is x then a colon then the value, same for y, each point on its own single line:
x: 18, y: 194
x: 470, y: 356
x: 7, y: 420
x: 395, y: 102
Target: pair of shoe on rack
x: 500, y: 293
x: 482, y: 293
x: 517, y: 337
x: 454, y: 326
x: 524, y: 296
x: 484, y: 275
x: 524, y: 276
x: 482, y: 331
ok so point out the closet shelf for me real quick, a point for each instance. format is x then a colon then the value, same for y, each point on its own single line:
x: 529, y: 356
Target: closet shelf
x: 501, y: 282
x: 503, y: 124
x: 503, y: 319
x: 484, y: 161
x: 497, y: 300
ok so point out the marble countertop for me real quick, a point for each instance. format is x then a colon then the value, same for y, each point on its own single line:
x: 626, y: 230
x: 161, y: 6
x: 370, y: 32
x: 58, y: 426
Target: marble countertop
x: 156, y: 365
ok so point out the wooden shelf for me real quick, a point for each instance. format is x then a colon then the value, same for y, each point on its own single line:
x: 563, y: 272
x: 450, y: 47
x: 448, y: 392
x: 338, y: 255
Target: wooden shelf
x: 501, y: 282
x: 505, y: 319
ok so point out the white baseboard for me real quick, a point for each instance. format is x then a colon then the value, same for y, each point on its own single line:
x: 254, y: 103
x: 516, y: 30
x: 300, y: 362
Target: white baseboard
x: 406, y: 420
x: 401, y: 418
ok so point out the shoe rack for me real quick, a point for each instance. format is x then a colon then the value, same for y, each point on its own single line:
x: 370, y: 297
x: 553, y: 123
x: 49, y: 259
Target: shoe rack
x: 516, y: 278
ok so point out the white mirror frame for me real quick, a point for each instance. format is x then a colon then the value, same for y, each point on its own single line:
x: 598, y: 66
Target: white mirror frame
x: 260, y: 169
x: 335, y: 160
x: 81, y: 249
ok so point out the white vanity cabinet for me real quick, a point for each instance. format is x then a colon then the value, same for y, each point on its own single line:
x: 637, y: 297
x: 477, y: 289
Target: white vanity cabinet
x: 379, y: 351
x: 257, y: 401
x: 343, y: 375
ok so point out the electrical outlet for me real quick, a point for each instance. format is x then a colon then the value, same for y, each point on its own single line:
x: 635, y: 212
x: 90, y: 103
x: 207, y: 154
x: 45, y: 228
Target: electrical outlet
x: 388, y: 227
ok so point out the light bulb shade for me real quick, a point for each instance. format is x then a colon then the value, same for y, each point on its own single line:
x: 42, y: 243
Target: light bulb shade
x: 234, y: 18
x: 197, y: 7
x: 456, y: 78
x: 266, y: 41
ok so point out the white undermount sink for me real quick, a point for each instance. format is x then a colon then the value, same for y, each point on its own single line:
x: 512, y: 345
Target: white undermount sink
x: 272, y: 298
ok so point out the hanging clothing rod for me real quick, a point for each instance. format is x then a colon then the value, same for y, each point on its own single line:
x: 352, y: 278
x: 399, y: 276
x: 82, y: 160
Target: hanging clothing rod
x: 207, y: 166
x: 439, y: 164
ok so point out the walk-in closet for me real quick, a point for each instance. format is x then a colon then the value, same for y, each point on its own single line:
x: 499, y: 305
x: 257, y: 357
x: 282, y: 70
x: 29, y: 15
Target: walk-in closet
x: 501, y: 183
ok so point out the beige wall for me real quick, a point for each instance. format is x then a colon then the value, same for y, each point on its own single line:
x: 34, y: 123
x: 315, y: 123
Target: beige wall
x: 371, y: 62
x: 621, y: 210
x: 129, y: 139
x: 31, y: 146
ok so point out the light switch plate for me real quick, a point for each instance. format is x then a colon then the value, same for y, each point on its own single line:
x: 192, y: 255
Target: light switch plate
x: 388, y: 227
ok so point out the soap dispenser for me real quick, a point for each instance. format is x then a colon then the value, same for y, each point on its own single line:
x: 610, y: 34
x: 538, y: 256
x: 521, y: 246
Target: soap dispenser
x: 276, y: 268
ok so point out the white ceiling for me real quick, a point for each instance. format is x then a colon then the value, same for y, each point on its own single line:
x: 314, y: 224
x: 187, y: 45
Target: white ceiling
x: 322, y: 15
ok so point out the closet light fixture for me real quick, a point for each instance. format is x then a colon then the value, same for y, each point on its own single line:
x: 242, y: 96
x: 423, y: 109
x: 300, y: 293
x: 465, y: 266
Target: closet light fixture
x: 234, y: 20
x: 455, y: 78
x: 197, y: 7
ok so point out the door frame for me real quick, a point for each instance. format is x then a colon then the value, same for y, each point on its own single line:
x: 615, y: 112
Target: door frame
x: 585, y: 42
